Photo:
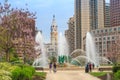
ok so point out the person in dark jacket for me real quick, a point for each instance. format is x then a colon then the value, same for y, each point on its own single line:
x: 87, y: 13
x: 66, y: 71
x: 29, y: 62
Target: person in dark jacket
x: 90, y: 67
x: 54, y: 67
x: 87, y: 68
x: 50, y: 66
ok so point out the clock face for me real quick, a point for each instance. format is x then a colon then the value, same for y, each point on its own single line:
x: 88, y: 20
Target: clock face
x: 54, y: 28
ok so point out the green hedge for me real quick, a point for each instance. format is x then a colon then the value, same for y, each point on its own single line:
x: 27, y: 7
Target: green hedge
x: 5, y: 71
x: 16, y: 72
x: 5, y: 75
x: 23, y: 73
x: 5, y: 66
x: 117, y: 75
x: 116, y: 68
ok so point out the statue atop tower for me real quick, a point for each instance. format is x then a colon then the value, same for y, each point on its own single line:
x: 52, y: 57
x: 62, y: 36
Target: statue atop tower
x: 54, y: 32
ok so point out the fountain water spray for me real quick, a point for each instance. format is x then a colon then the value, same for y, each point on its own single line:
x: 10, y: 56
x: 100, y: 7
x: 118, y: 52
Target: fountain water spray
x: 41, y: 60
x: 63, y: 48
x: 91, y: 54
x: 91, y: 50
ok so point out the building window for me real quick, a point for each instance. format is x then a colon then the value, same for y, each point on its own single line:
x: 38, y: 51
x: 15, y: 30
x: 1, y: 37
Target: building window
x: 119, y: 29
x: 115, y: 29
x: 96, y: 39
x: 113, y: 42
x: 103, y: 54
x: 104, y: 50
x: 110, y: 30
x: 100, y: 42
x: 94, y: 32
x: 105, y: 30
x: 112, y: 37
x: 96, y: 43
x: 104, y: 38
x: 97, y: 31
x: 103, y: 42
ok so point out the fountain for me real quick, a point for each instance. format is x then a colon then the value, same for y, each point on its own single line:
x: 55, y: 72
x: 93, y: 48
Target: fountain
x: 41, y: 60
x: 91, y: 50
x: 63, y: 49
x: 63, y: 52
x: 105, y: 60
x: 91, y: 54
x: 81, y: 60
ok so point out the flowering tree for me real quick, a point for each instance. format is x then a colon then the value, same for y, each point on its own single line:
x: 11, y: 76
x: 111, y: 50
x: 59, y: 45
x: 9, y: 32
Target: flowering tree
x: 18, y: 27
x: 6, y: 30
x: 113, y: 51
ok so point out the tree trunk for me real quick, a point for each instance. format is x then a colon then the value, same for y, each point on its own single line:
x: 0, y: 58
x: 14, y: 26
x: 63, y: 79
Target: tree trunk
x: 7, y: 56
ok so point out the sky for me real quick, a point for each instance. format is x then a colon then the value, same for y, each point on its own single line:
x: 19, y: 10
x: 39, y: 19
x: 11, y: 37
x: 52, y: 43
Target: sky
x: 45, y: 9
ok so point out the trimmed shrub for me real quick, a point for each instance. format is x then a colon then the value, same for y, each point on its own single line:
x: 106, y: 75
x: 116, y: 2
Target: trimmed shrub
x: 117, y: 75
x: 23, y: 73
x: 4, y: 71
x: 16, y: 73
x: 5, y: 75
x: 116, y: 68
x: 5, y: 66
x: 27, y: 72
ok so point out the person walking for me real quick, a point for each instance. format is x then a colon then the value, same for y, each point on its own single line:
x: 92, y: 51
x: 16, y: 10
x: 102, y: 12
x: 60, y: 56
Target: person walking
x: 87, y: 68
x: 50, y: 66
x: 54, y: 67
x: 93, y: 65
x: 90, y: 67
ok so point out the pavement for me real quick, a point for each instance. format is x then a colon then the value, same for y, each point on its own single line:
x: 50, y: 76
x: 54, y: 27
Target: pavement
x: 70, y: 75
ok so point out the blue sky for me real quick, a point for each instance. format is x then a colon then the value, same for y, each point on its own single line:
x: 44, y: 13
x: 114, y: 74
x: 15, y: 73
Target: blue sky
x: 63, y: 10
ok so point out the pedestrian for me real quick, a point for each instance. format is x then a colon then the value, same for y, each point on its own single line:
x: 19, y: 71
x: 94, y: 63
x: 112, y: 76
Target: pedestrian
x: 50, y: 66
x: 93, y: 65
x: 87, y: 68
x: 54, y: 67
x: 90, y: 67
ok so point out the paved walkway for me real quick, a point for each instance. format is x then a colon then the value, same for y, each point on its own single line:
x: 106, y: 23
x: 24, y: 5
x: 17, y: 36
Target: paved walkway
x: 70, y: 75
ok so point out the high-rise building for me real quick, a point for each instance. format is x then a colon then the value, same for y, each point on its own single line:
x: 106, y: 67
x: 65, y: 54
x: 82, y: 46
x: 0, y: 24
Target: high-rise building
x: 115, y: 13
x: 89, y: 15
x: 70, y: 34
x: 107, y: 15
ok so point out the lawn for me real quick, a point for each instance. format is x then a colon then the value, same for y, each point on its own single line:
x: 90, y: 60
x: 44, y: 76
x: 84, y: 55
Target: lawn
x: 39, y: 76
x: 98, y: 74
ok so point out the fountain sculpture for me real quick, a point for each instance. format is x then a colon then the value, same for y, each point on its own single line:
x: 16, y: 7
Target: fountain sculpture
x: 63, y: 49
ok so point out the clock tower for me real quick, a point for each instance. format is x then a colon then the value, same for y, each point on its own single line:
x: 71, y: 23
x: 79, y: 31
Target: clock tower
x: 54, y: 32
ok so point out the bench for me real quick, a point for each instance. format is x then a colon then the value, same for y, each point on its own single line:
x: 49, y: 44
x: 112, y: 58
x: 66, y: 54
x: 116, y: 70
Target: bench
x: 105, y: 69
x: 39, y: 68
